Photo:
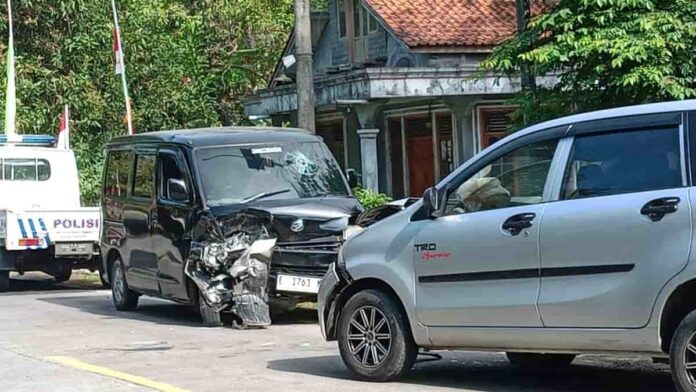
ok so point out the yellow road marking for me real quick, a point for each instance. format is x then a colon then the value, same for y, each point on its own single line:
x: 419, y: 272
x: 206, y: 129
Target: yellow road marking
x: 142, y: 381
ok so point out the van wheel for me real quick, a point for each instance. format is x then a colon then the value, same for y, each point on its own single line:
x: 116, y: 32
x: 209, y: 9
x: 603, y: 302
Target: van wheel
x: 374, y: 337
x: 4, y: 281
x: 540, y: 360
x: 62, y: 273
x: 123, y: 297
x: 682, y: 354
x: 210, y: 317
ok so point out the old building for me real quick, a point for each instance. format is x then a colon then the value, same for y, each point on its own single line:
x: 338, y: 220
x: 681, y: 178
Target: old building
x: 396, y: 94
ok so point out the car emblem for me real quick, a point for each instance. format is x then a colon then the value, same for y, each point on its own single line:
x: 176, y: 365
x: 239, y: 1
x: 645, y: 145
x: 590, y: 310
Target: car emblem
x: 297, y: 226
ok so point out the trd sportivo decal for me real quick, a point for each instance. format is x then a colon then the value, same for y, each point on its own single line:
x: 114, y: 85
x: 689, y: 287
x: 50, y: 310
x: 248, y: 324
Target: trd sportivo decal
x: 528, y: 273
x: 429, y: 252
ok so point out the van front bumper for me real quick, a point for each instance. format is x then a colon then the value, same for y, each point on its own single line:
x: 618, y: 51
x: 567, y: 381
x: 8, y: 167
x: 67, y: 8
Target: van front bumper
x: 328, y: 304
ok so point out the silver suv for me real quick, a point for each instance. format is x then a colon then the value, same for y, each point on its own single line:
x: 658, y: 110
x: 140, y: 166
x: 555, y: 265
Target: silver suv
x: 572, y: 236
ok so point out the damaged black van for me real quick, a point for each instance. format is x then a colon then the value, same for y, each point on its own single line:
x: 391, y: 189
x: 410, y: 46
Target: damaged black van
x: 226, y: 219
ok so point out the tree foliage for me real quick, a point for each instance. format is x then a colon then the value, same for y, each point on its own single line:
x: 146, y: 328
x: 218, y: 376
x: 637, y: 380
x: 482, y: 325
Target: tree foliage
x: 189, y: 63
x: 605, y: 53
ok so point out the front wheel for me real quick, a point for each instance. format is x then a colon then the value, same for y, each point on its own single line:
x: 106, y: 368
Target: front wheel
x: 123, y: 297
x: 4, y: 281
x: 682, y: 354
x: 540, y: 360
x: 374, y: 337
x: 209, y: 316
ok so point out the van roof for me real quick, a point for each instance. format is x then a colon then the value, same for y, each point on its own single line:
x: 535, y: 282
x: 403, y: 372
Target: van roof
x: 204, y: 137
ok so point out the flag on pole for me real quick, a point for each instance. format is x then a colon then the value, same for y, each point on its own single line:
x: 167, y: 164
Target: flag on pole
x: 11, y: 95
x: 64, y: 130
x: 121, y: 67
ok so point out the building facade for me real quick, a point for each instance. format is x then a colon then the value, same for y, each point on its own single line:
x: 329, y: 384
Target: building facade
x: 398, y: 94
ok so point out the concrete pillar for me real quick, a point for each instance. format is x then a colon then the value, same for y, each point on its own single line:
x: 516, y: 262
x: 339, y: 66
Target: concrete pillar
x: 368, y: 155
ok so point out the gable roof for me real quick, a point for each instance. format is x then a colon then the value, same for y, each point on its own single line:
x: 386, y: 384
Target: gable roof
x: 439, y: 24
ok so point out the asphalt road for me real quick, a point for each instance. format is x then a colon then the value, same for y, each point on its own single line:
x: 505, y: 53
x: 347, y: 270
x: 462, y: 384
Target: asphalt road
x: 70, y: 338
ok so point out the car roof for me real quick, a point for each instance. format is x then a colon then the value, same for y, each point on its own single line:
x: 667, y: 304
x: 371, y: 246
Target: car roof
x: 205, y: 137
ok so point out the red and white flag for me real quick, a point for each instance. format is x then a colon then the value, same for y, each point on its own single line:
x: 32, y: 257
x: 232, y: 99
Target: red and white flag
x: 64, y: 130
x: 118, y: 52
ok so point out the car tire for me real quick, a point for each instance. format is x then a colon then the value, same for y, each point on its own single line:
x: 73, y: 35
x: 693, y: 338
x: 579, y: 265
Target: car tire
x: 682, y: 351
x: 4, y: 281
x: 123, y: 297
x: 210, y: 317
x: 372, y: 324
x: 540, y: 360
x: 62, y: 272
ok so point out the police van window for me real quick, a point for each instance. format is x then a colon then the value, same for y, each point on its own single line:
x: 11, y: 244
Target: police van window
x: 144, y: 179
x: 169, y: 170
x: 117, y: 173
x: 623, y: 162
x: 515, y: 179
x: 31, y: 169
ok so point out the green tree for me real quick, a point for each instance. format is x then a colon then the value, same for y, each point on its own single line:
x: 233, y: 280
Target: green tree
x: 605, y: 53
x: 189, y: 64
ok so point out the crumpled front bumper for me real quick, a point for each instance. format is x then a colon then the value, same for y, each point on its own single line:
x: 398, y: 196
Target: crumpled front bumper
x: 330, y: 289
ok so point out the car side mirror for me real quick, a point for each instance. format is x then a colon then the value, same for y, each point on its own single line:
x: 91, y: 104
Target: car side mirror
x: 177, y: 191
x: 353, y: 178
x: 431, y: 201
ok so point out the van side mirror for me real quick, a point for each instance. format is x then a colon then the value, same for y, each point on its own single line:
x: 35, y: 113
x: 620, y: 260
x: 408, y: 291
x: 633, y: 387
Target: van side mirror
x: 353, y: 178
x: 431, y: 201
x: 177, y: 191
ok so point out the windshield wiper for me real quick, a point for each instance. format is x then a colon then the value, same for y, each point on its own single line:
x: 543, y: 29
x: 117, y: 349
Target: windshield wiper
x: 264, y: 195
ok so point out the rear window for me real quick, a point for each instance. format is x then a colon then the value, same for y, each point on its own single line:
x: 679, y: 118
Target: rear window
x: 117, y: 171
x: 24, y: 169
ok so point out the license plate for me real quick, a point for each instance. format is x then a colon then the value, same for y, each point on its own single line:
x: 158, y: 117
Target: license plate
x: 298, y: 284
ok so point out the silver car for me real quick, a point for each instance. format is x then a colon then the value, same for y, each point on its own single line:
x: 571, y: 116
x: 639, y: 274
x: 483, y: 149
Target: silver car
x: 573, y: 236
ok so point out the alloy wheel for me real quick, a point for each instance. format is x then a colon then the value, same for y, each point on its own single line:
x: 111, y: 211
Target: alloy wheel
x: 369, y: 336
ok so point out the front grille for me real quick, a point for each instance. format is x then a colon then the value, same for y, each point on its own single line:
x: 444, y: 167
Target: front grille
x: 327, y: 245
x: 316, y: 272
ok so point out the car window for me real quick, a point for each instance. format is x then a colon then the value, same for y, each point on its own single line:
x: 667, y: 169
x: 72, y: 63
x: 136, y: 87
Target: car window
x: 623, y: 162
x: 517, y: 178
x: 169, y: 170
x: 117, y: 172
x: 144, y: 180
x: 21, y: 169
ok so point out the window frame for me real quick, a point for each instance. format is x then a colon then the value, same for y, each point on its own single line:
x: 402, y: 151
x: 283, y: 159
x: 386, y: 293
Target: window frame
x: 134, y: 167
x: 341, y: 7
x: 109, y: 153
x: 624, y: 124
x: 37, y: 178
x: 181, y: 162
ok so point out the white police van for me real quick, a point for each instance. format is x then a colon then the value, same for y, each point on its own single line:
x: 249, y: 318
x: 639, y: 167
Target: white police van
x: 43, y: 226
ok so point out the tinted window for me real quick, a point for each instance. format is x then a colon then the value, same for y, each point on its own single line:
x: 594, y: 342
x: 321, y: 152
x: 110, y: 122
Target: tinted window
x: 517, y: 178
x: 144, y: 180
x: 169, y: 170
x: 117, y: 173
x: 29, y: 169
x: 625, y: 162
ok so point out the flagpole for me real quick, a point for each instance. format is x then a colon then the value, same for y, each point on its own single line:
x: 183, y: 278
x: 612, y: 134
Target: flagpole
x: 124, y: 83
x: 11, y: 95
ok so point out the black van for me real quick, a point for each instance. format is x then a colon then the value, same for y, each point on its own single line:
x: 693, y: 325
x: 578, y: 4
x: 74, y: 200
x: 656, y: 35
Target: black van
x: 198, y: 216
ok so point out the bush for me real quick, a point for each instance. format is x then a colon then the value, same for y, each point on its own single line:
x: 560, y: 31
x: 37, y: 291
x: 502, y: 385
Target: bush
x: 370, y: 199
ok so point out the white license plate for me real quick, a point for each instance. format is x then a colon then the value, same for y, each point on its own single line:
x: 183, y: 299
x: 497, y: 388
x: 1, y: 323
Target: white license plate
x: 298, y: 284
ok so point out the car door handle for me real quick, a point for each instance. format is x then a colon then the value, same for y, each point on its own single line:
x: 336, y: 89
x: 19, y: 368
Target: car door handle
x: 658, y: 208
x: 516, y: 223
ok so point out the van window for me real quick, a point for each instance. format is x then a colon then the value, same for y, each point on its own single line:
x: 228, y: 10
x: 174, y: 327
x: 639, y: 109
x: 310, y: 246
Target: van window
x: 517, y: 178
x: 24, y: 169
x: 169, y: 170
x: 144, y: 179
x: 623, y: 162
x: 117, y: 172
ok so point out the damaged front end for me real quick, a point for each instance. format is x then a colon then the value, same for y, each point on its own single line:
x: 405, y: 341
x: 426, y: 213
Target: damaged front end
x: 230, y: 262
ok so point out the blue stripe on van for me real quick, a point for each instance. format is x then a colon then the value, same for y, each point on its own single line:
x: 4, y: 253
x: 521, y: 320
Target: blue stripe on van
x: 22, y: 229
x: 33, y: 228
x: 43, y: 227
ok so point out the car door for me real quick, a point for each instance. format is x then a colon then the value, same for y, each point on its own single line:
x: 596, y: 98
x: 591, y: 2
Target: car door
x: 621, y: 227
x: 171, y: 229
x: 478, y: 265
x: 139, y: 212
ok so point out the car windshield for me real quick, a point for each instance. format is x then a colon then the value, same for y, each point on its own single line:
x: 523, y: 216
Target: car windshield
x: 232, y: 175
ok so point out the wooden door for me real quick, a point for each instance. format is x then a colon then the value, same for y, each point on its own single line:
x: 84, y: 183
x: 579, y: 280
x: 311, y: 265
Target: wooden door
x: 421, y: 167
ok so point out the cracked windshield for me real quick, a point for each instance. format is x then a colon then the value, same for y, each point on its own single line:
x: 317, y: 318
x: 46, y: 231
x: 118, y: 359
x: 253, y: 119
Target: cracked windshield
x: 232, y: 175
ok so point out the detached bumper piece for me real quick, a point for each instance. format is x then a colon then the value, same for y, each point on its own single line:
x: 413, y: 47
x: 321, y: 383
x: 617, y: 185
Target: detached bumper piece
x: 329, y: 291
x: 230, y: 266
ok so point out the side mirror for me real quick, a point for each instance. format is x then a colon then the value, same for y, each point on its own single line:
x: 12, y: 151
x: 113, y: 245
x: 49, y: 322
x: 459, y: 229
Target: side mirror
x: 177, y: 191
x: 431, y: 201
x: 353, y: 178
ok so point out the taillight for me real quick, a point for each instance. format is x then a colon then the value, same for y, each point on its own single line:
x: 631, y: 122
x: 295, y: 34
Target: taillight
x: 30, y: 242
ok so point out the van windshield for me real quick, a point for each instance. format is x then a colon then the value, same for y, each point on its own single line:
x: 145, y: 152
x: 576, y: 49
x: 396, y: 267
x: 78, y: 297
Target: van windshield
x: 232, y: 175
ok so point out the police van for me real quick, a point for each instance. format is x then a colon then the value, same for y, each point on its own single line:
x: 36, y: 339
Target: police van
x: 43, y: 226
